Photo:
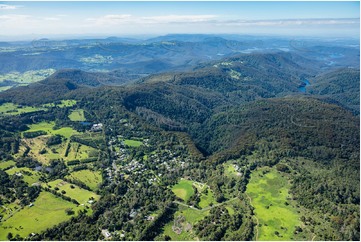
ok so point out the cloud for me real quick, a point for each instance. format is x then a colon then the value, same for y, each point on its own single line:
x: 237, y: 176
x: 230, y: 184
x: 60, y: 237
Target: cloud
x: 52, y: 19
x: 179, y: 19
x: 291, y: 22
x: 14, y: 17
x: 9, y: 7
x: 115, y: 19
x: 111, y: 19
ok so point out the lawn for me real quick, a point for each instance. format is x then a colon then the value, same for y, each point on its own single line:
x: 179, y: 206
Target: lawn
x: 48, y: 211
x: 207, y: 198
x: 230, y: 170
x: 48, y: 127
x: 269, y: 193
x: 14, y: 109
x: 6, y: 164
x: 183, y: 189
x: 81, y: 195
x: 77, y: 115
x: 91, y: 178
x: 30, y: 179
x: 63, y: 103
x: 191, y: 217
x: 132, y: 143
x: 79, y: 151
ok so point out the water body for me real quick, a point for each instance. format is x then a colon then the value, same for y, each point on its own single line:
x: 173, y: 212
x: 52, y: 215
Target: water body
x: 302, y: 87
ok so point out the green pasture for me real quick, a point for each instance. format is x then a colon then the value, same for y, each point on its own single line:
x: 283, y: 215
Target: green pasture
x: 62, y: 104
x: 30, y: 179
x: 132, y: 143
x: 48, y: 127
x: 27, y: 77
x: 48, y: 211
x: 183, y: 189
x: 91, y: 178
x: 14, y: 109
x: 191, y: 216
x: 207, y: 198
x: 6, y: 164
x: 81, y: 195
x: 77, y: 115
x: 269, y: 193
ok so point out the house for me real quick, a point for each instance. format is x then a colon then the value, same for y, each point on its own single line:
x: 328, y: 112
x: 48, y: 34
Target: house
x: 97, y: 127
x: 106, y: 233
x: 133, y: 213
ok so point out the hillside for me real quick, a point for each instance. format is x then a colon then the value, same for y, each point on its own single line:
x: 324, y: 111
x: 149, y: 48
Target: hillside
x: 341, y: 86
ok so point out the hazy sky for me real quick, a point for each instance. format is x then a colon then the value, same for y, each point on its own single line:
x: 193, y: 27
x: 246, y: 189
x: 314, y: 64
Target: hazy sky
x: 44, y: 19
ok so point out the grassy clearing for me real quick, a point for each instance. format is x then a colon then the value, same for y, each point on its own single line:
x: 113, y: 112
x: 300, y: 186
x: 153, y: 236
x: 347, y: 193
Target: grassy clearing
x: 14, y: 109
x: 76, y: 151
x: 230, y: 210
x: 77, y: 115
x: 191, y: 217
x: 207, y: 198
x: 62, y: 104
x: 230, y: 169
x: 269, y: 194
x: 28, y: 76
x: 82, y: 196
x: 48, y: 127
x: 6, y: 164
x: 79, y: 151
x: 5, y: 88
x: 48, y: 211
x: 132, y: 143
x: 91, y: 178
x: 183, y: 189
x: 29, y: 176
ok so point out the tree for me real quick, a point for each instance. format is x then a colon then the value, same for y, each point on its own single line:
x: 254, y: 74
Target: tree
x: 69, y: 211
x: 9, y: 236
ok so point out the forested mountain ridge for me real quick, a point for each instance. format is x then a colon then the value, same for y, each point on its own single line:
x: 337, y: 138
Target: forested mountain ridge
x: 341, y: 85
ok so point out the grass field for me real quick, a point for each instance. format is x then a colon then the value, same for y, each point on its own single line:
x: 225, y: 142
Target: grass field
x: 269, y: 193
x: 77, y: 193
x: 207, y: 199
x: 91, y: 178
x: 27, y: 77
x: 77, y: 115
x: 5, y: 88
x: 230, y: 170
x: 14, y: 109
x: 48, y: 127
x: 38, y: 144
x: 6, y: 164
x: 48, y: 211
x: 62, y: 104
x: 191, y: 217
x: 183, y: 189
x: 30, y: 179
x: 80, y: 151
x: 132, y: 143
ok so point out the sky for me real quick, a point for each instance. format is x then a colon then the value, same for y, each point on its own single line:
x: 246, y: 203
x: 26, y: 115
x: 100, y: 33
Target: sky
x: 50, y: 19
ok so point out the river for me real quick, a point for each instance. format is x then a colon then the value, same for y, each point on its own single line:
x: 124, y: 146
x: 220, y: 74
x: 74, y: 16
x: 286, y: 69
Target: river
x: 302, y: 87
